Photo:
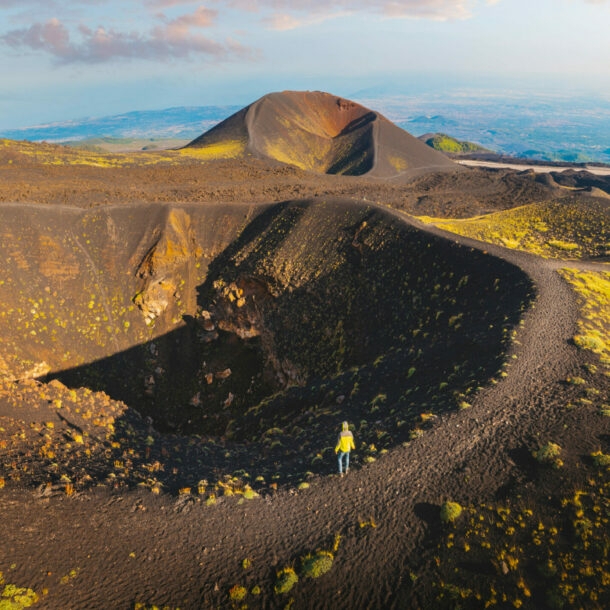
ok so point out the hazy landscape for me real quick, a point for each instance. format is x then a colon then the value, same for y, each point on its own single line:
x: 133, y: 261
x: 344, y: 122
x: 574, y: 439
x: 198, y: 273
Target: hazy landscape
x: 565, y: 128
x: 183, y: 331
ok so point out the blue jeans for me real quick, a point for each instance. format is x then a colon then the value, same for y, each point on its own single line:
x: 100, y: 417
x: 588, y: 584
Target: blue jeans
x: 343, y: 456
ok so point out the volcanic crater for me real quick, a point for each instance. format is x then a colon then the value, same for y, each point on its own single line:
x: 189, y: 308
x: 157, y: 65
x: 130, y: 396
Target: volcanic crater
x: 323, y: 133
x: 230, y: 321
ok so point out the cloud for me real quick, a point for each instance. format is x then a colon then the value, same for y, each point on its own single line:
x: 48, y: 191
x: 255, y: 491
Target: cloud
x: 11, y: 3
x: 201, y: 18
x: 51, y: 36
x: 283, y: 22
x: 441, y: 10
x: 283, y: 10
x: 165, y: 3
x: 54, y: 5
x: 177, y: 38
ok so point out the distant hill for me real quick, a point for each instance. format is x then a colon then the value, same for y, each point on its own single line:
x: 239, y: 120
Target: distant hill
x: 446, y: 144
x: 182, y: 123
x: 511, y: 126
x: 320, y: 132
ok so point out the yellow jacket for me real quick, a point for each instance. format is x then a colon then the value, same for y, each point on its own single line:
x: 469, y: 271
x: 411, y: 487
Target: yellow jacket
x: 345, y: 442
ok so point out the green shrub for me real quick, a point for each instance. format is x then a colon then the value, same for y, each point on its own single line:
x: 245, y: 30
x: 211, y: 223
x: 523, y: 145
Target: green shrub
x: 16, y: 598
x: 563, y: 245
x: 549, y: 454
x: 314, y: 566
x: 590, y: 342
x: 286, y: 579
x: 450, y: 511
x: 237, y: 593
x: 249, y: 493
x: 576, y: 381
x: 601, y: 459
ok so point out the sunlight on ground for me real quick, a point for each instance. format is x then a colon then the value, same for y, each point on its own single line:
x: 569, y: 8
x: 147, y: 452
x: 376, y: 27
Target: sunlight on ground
x: 19, y: 153
x: 228, y: 149
x: 551, y: 230
x: 593, y: 289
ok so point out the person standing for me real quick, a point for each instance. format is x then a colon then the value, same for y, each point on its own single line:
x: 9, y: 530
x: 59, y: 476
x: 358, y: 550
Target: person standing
x: 345, y: 443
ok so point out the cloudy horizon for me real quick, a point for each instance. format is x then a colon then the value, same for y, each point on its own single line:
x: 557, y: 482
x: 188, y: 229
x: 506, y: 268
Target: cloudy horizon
x: 85, y: 58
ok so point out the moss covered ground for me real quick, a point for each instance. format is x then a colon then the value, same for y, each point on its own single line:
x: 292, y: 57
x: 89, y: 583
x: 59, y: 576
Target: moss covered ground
x: 565, y: 230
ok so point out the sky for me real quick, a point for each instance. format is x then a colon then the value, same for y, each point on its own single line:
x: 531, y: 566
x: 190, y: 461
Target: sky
x: 62, y: 60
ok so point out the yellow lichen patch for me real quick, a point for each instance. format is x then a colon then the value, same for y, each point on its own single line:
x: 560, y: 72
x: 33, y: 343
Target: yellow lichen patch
x: 593, y: 289
x: 307, y: 152
x: 553, y: 230
x: 16, y: 598
x: 398, y: 163
x: 228, y: 149
x: 53, y: 154
x: 556, y: 556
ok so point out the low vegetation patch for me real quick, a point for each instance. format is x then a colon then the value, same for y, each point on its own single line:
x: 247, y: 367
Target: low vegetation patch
x: 13, y: 597
x: 549, y: 454
x: 228, y: 149
x: 447, y: 144
x: 58, y: 155
x: 450, y: 512
x: 286, y: 579
x: 593, y: 289
x: 530, y: 556
x: 317, y: 564
x: 601, y: 460
x: 553, y: 230
x: 237, y: 593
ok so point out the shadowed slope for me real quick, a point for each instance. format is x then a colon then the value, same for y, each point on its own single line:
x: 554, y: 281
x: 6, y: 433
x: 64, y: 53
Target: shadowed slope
x: 323, y: 133
x: 234, y: 321
x: 81, y: 285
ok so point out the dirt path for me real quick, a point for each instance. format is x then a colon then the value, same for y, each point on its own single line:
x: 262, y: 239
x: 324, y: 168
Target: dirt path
x: 539, y: 169
x: 142, y: 548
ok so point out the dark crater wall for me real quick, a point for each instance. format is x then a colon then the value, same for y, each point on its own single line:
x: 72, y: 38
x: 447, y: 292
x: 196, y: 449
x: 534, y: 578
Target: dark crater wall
x: 317, y: 312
